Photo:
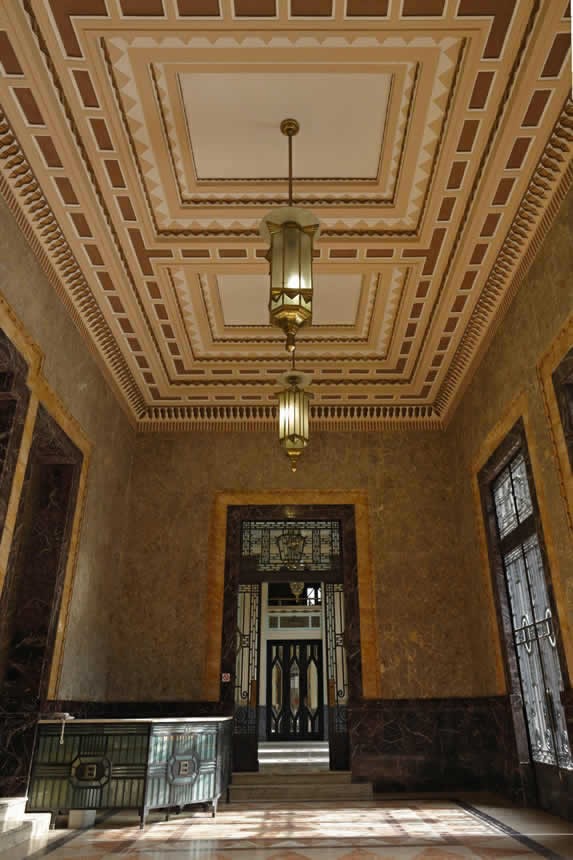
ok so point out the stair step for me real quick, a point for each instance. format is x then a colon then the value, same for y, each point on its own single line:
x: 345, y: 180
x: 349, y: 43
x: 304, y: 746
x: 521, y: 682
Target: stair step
x: 299, y: 792
x: 16, y: 841
x: 272, y: 776
x: 293, y: 762
x: 291, y: 746
x: 12, y: 809
x: 298, y: 754
x: 21, y: 832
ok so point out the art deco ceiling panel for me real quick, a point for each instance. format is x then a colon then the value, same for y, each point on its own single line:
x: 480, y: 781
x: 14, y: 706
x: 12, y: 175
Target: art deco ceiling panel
x: 140, y: 148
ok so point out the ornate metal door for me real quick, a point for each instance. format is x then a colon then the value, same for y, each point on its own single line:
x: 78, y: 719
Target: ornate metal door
x: 246, y: 673
x: 337, y: 677
x: 294, y: 690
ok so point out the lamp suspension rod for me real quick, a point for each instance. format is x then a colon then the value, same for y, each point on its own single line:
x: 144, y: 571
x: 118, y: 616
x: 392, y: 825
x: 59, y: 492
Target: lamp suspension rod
x: 290, y: 170
x: 290, y: 127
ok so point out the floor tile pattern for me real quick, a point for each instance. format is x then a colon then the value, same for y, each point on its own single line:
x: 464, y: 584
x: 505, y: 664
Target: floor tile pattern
x: 409, y: 830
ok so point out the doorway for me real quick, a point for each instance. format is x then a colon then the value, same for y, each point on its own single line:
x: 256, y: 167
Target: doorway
x: 291, y: 628
x: 294, y: 690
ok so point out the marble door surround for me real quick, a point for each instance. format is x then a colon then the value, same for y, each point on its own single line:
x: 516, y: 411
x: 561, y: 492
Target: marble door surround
x: 352, y: 509
x: 42, y: 484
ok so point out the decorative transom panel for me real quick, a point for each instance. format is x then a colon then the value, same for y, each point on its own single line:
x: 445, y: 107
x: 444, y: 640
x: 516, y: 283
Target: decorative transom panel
x: 140, y: 148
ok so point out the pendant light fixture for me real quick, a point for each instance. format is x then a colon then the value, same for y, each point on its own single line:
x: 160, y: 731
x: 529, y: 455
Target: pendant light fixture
x: 294, y: 410
x: 290, y: 232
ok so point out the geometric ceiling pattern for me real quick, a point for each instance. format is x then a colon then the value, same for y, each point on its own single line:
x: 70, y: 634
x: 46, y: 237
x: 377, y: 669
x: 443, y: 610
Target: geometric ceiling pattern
x: 140, y: 148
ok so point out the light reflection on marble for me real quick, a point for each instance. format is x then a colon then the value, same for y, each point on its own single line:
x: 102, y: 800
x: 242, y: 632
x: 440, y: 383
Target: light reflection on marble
x: 408, y: 830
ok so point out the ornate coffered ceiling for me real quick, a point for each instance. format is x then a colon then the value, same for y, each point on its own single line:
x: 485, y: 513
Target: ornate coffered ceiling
x: 139, y: 149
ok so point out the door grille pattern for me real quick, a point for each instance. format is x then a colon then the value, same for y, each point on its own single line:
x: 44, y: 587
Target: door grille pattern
x: 531, y: 617
x: 294, y: 690
x: 337, y: 670
x: 246, y: 664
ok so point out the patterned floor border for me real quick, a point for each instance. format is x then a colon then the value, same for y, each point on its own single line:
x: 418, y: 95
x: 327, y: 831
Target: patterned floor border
x: 526, y: 841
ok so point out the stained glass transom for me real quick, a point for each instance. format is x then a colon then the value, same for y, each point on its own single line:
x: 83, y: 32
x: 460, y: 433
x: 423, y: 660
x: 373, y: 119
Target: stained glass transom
x: 294, y: 544
x: 512, y: 497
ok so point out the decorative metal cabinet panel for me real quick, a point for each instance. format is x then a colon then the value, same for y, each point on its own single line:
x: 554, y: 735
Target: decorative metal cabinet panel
x: 130, y: 764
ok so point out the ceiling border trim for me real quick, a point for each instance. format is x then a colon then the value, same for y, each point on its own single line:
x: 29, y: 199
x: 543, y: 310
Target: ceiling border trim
x: 523, y: 240
x: 174, y: 419
x: 32, y: 212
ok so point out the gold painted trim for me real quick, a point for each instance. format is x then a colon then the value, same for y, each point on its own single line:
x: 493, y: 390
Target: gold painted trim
x: 41, y: 393
x: 492, y: 441
x: 371, y: 681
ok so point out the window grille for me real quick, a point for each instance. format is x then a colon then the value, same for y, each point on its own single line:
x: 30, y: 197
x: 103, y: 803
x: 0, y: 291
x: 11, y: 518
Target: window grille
x: 531, y: 615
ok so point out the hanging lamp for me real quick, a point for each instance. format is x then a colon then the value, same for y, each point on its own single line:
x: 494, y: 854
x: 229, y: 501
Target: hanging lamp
x: 290, y: 231
x: 294, y: 411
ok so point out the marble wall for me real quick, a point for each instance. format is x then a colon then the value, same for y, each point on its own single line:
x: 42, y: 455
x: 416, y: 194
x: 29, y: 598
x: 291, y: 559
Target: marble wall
x: 436, y: 745
x: 509, y: 384
x: 76, y: 380
x: 161, y: 627
x: 437, y: 631
x: 145, y: 531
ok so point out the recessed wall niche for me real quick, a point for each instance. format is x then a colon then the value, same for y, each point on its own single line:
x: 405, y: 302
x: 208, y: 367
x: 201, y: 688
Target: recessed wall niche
x: 30, y: 602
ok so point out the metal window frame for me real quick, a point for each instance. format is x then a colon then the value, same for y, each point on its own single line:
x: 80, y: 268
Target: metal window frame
x: 515, y: 442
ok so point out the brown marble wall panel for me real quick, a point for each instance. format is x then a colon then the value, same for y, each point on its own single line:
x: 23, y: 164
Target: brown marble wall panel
x: 71, y: 371
x: 14, y: 399
x: 31, y: 597
x: 438, y: 745
x: 129, y: 710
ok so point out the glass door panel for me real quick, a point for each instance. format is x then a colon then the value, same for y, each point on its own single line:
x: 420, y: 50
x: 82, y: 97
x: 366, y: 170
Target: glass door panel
x: 294, y: 690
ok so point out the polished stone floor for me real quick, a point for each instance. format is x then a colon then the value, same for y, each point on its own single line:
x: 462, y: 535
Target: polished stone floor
x: 400, y: 829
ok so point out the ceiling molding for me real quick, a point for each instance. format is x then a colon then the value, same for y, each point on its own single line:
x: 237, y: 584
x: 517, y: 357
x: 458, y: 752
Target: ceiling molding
x: 96, y: 162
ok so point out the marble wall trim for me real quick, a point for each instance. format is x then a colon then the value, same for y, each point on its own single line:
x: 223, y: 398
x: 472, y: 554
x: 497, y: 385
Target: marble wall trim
x: 127, y: 710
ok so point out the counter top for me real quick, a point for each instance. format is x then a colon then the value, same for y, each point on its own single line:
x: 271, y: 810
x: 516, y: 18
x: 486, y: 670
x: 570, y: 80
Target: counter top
x: 84, y: 720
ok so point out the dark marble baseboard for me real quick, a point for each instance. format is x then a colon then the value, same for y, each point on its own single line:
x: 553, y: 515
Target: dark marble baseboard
x: 125, y: 710
x: 438, y: 745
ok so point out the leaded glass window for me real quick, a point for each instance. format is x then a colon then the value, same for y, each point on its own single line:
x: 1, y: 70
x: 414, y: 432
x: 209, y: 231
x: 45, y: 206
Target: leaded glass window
x: 274, y: 546
x: 512, y: 497
x: 531, y: 616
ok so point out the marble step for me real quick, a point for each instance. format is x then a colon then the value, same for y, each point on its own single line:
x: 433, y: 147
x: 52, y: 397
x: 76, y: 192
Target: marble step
x: 285, y: 765
x: 286, y: 777
x: 301, y: 754
x: 12, y: 810
x: 317, y: 747
x: 299, y: 792
x: 24, y: 838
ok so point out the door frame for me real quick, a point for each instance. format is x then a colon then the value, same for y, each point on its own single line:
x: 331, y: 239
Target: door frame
x: 246, y: 745
x: 539, y: 782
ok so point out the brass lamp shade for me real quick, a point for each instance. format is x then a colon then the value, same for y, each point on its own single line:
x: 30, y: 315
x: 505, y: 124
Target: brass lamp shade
x: 291, y: 232
x: 294, y: 409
